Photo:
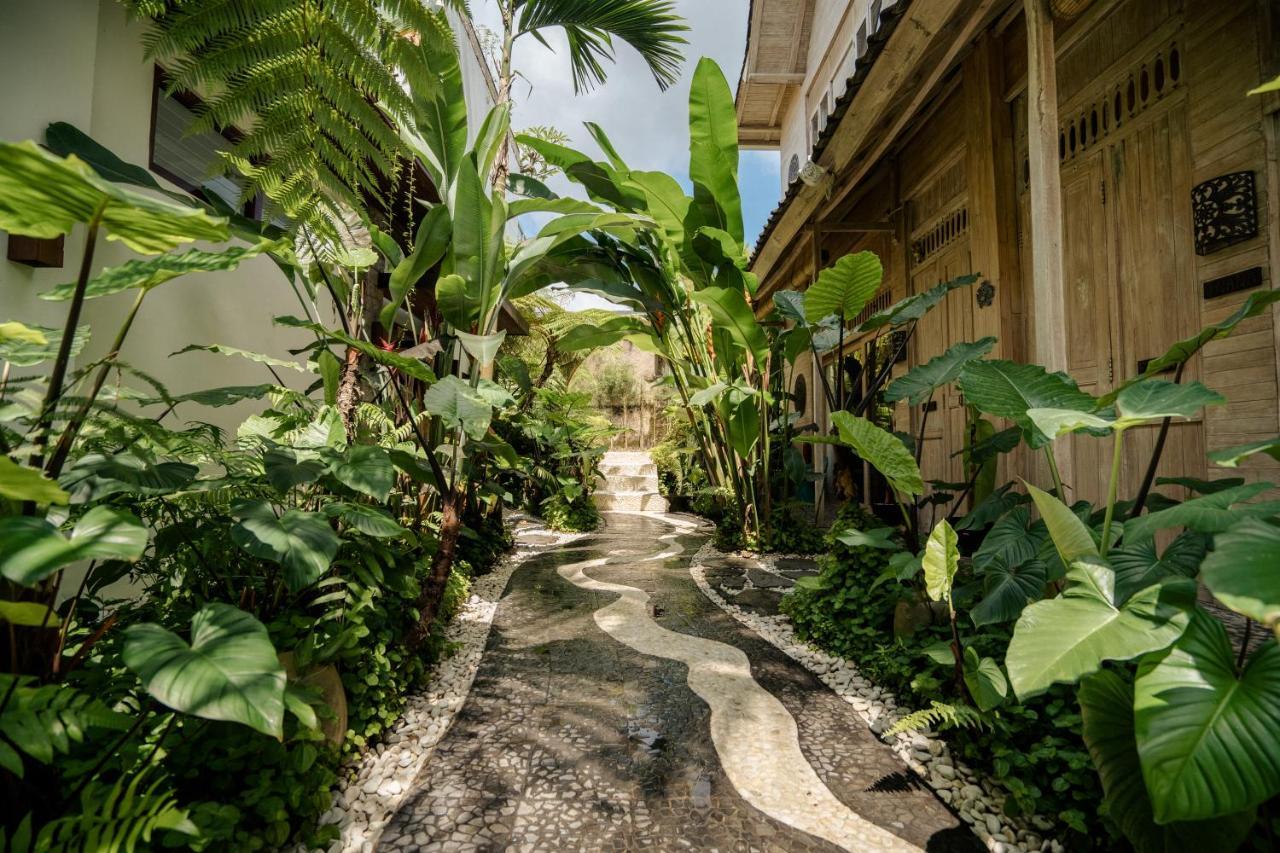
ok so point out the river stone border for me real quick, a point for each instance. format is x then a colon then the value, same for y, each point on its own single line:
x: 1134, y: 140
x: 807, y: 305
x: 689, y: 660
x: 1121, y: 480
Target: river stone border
x: 375, y: 784
x: 978, y: 801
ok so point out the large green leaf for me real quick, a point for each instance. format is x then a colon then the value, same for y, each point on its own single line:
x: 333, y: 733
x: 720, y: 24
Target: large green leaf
x: 882, y: 451
x: 1244, y: 570
x: 844, y: 288
x: 148, y: 273
x: 301, y: 542
x: 1106, y: 708
x: 730, y: 312
x: 31, y: 548
x: 226, y: 396
x: 1230, y: 457
x: 1207, y: 733
x: 1065, y: 638
x: 713, y: 150
x: 666, y: 203
x: 369, y: 520
x: 440, y: 109
x: 15, y: 332
x: 1070, y: 536
x: 286, y: 468
x: 1137, y: 564
x: 94, y: 476
x: 920, y: 383
x: 1258, y: 302
x: 482, y: 348
x: 588, y: 336
x: 229, y: 672
x: 411, y: 367
x: 429, y: 246
x: 941, y: 562
x: 1212, y: 513
x: 1155, y: 399
x: 222, y: 349
x: 20, y: 483
x: 42, y: 195
x: 984, y: 679
x: 1007, y: 590
x: 459, y: 406
x: 1007, y: 389
x: 1008, y: 541
x: 915, y: 306
x: 24, y: 351
x: 367, y: 469
x: 740, y: 409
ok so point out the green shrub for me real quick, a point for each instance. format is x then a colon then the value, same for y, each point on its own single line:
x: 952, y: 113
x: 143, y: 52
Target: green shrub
x: 578, y: 515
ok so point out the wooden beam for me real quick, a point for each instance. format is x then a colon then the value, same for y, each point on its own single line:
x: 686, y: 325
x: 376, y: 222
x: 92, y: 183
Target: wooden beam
x: 1046, y: 188
x: 791, y: 79
x: 853, y: 227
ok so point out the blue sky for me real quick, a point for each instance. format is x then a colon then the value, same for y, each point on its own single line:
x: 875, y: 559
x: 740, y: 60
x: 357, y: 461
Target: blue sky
x: 648, y: 127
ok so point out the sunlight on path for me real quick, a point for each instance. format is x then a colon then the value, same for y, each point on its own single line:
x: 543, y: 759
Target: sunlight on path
x: 754, y: 735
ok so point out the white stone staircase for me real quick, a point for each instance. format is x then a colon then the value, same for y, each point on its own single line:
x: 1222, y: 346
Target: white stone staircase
x: 630, y: 483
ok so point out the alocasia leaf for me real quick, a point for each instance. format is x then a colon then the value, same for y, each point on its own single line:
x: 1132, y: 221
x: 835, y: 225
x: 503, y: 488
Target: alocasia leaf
x: 1243, y: 571
x: 301, y: 542
x: 31, y: 548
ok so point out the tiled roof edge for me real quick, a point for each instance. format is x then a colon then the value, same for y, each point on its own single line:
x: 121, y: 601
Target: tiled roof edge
x: 888, y: 23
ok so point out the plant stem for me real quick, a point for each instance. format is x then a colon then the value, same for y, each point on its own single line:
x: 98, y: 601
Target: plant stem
x: 1112, y: 489
x: 59, y: 373
x: 1244, y: 643
x: 72, y: 429
x: 1149, y: 478
x: 924, y: 419
x: 1054, y: 473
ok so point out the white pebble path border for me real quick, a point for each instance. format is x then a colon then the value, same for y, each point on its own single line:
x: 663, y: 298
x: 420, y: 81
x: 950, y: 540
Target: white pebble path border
x: 376, y: 783
x: 978, y: 801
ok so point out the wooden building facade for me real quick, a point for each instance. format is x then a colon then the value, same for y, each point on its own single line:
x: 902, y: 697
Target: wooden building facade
x: 1097, y: 162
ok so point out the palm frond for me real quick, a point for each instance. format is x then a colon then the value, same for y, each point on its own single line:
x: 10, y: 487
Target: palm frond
x: 652, y: 27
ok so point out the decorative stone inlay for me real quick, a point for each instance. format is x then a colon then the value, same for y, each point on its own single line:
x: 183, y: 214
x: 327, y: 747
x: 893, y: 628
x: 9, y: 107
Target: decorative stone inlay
x: 754, y: 735
x: 379, y: 780
x: 977, y: 800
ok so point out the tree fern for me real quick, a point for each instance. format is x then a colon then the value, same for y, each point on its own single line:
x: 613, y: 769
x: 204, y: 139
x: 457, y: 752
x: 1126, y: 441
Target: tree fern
x: 940, y: 715
x: 316, y: 86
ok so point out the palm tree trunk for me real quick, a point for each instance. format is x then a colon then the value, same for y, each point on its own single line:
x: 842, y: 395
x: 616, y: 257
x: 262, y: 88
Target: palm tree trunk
x: 500, y: 168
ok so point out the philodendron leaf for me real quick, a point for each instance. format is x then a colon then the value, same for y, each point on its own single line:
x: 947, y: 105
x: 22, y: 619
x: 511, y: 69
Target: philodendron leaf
x: 42, y: 195
x: 31, y: 548
x: 1155, y: 399
x: 1230, y: 457
x: 1243, y: 571
x: 1106, y: 708
x: 95, y: 476
x: 790, y: 304
x: 459, y: 406
x: 229, y: 672
x: 1070, y: 536
x: 369, y: 520
x: 1207, y: 733
x: 366, y: 469
x: 1212, y: 513
x: 941, y: 562
x: 1065, y: 638
x: 482, y: 348
x: 985, y: 680
x: 1008, y: 589
x: 878, y: 537
x: 286, y: 468
x: 22, y: 351
x: 20, y: 483
x: 301, y: 542
x: 914, y: 306
x: 1055, y: 423
x: 920, y: 383
x: 148, y: 273
x: 844, y: 288
x: 1008, y: 541
x: 1138, y: 566
x: 1258, y: 302
x: 1007, y: 389
x: 882, y: 451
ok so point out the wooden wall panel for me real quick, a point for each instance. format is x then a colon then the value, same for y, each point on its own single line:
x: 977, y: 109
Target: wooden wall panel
x: 1226, y: 130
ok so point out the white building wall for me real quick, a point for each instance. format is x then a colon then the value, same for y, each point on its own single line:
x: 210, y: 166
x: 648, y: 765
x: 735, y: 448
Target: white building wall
x: 82, y: 62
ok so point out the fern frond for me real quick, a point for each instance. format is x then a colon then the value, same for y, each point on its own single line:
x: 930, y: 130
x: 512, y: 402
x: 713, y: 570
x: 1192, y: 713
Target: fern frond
x: 45, y: 721
x: 942, y: 716
x: 122, y: 816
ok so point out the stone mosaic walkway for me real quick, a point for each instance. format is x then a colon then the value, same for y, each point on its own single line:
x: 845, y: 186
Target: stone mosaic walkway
x: 583, y: 732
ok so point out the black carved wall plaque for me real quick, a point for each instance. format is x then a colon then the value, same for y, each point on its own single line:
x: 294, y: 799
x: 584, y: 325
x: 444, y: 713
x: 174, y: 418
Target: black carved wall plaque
x: 986, y: 294
x: 1225, y: 210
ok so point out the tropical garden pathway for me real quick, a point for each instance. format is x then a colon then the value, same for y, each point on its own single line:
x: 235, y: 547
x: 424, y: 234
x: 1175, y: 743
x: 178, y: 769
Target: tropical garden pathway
x: 617, y: 708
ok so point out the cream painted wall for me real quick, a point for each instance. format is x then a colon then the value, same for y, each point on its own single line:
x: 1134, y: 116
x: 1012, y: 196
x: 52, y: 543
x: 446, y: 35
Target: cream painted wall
x: 81, y: 61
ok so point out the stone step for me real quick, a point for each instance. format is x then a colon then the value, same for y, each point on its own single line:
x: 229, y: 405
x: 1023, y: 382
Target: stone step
x: 629, y: 502
x: 628, y: 469
x: 631, y: 483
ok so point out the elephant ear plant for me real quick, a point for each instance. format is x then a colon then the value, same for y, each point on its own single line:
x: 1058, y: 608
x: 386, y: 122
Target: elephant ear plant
x: 1180, y: 723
